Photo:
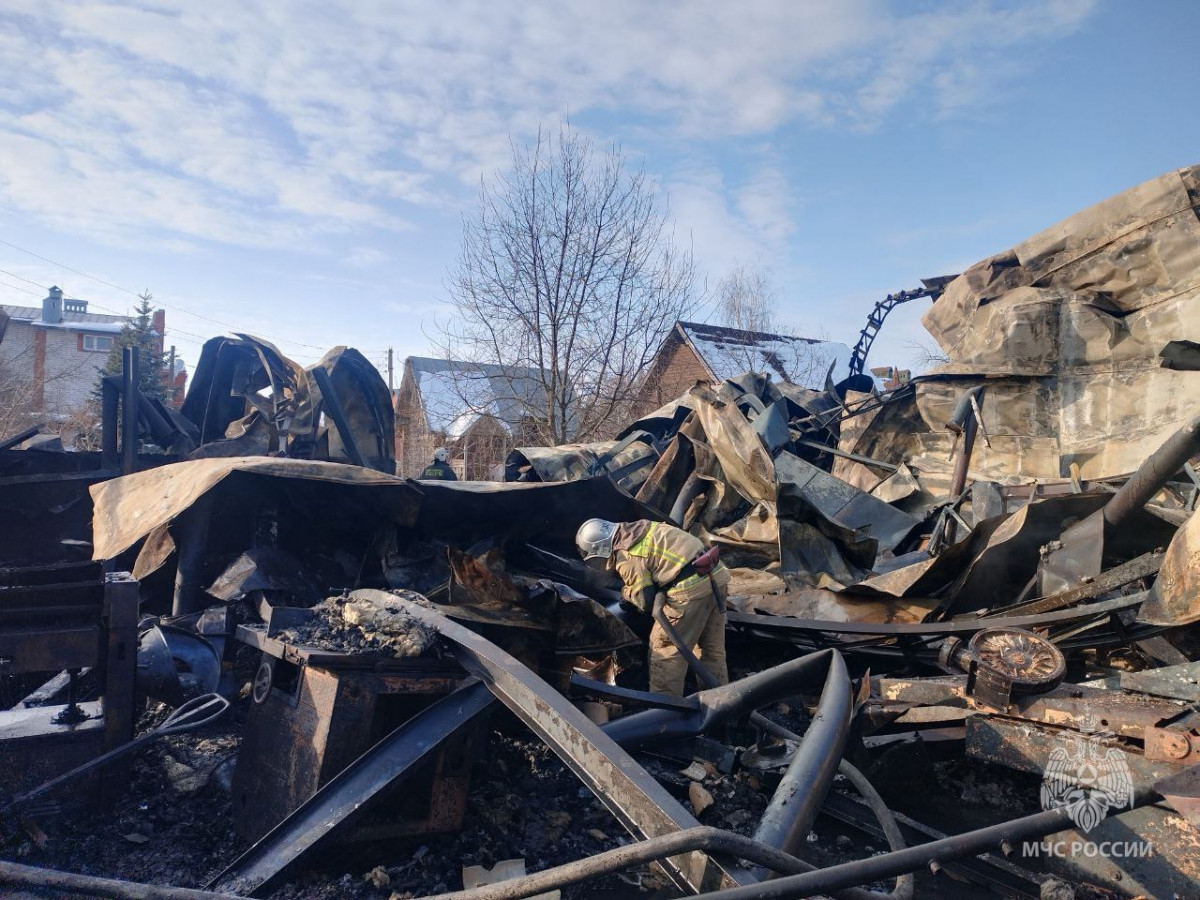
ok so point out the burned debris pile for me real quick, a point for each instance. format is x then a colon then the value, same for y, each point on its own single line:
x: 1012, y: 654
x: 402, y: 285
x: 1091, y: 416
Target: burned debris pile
x: 962, y: 626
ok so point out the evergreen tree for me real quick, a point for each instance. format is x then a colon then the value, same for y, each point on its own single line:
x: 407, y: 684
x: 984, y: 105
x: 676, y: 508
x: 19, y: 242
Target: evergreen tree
x: 139, y: 333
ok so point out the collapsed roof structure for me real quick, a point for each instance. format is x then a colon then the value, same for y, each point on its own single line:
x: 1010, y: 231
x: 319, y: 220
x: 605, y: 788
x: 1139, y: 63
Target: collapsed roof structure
x: 993, y: 563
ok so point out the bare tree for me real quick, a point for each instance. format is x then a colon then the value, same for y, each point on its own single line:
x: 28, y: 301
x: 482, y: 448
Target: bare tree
x: 19, y: 393
x: 926, y: 356
x: 568, y: 278
x: 746, y: 301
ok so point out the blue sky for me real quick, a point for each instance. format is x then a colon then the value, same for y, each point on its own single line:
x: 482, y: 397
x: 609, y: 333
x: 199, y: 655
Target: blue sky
x: 300, y: 170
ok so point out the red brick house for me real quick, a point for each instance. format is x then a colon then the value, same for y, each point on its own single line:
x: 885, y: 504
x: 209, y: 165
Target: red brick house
x: 693, y: 352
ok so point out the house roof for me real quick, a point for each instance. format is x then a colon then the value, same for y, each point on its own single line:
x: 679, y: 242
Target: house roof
x: 79, y: 321
x: 456, y: 394
x: 728, y: 352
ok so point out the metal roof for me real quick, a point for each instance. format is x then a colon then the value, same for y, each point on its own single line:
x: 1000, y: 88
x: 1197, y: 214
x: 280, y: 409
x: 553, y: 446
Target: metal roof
x: 80, y: 320
x: 728, y: 352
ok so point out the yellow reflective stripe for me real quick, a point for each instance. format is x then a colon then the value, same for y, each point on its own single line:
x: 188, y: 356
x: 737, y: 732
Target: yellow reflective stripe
x: 644, y: 582
x: 688, y: 582
x: 646, y: 548
x: 642, y: 547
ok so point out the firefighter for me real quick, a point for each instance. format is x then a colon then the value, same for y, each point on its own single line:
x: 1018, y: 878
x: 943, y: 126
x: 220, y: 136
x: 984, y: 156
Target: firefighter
x: 439, y: 469
x: 652, y: 557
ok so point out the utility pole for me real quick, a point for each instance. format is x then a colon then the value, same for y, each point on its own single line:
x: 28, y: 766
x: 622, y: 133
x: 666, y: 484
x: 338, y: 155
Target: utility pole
x: 390, y: 386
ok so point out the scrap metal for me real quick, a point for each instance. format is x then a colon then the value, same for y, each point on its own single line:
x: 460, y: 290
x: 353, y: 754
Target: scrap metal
x: 334, y: 805
x: 629, y: 793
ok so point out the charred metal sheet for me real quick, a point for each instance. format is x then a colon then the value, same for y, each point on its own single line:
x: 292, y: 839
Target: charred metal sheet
x: 1180, y: 682
x: 352, y: 501
x: 247, y: 398
x: 464, y: 512
x: 1145, y: 566
x: 331, y: 405
x: 266, y: 569
x: 1081, y: 550
x: 629, y: 461
x: 802, y: 482
x: 224, y: 400
x: 1182, y: 792
x: 336, y: 804
x: 1171, y: 869
x: 639, y: 802
x: 745, y: 463
x: 1036, y: 321
x: 355, y: 396
x: 1175, y: 597
x: 781, y: 626
x: 128, y: 509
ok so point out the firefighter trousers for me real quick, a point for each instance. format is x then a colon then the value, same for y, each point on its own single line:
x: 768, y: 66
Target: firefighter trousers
x: 701, y: 625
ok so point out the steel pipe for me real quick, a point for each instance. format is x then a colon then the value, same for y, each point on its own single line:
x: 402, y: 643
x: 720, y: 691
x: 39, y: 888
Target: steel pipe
x: 789, y: 816
x: 718, y: 705
x: 888, y: 865
x: 709, y: 840
x: 1152, y: 474
x: 56, y: 882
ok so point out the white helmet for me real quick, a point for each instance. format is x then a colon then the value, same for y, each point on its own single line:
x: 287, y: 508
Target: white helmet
x: 440, y: 454
x: 595, y: 539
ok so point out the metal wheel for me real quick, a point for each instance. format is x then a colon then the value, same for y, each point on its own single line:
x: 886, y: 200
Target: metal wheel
x: 1031, y: 662
x: 263, y: 679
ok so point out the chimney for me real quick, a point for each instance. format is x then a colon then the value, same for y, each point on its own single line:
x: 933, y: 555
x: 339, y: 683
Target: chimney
x: 52, y: 306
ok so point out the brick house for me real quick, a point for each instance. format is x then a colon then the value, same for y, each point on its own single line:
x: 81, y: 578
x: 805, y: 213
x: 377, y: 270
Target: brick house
x: 56, y: 350
x: 477, y: 411
x: 694, y: 352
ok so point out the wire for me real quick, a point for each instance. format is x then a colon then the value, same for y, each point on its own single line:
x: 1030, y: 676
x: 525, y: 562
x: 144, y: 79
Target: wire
x: 174, y: 329
x: 17, y: 287
x: 178, y: 309
x: 22, y: 278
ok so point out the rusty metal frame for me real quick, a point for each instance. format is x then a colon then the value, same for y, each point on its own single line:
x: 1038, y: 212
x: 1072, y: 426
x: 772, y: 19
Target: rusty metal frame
x: 638, y: 802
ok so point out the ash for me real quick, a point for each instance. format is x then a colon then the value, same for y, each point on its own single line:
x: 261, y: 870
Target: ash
x: 358, y: 626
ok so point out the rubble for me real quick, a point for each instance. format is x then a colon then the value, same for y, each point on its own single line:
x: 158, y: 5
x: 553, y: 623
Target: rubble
x: 359, y: 626
x: 961, y: 627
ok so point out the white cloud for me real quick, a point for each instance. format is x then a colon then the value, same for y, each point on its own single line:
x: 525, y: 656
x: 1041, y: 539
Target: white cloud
x: 365, y: 257
x: 271, y: 125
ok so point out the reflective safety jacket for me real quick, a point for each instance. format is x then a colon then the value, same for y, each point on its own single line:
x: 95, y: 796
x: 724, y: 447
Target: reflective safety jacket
x: 438, y: 471
x: 654, y: 555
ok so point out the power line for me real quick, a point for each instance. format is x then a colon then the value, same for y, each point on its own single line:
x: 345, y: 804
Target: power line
x: 17, y: 287
x: 174, y: 329
x: 22, y: 278
x: 178, y: 309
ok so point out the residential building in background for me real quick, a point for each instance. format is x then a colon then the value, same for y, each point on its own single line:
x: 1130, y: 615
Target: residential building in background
x: 693, y: 352
x: 891, y: 377
x: 477, y: 411
x: 54, y: 351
